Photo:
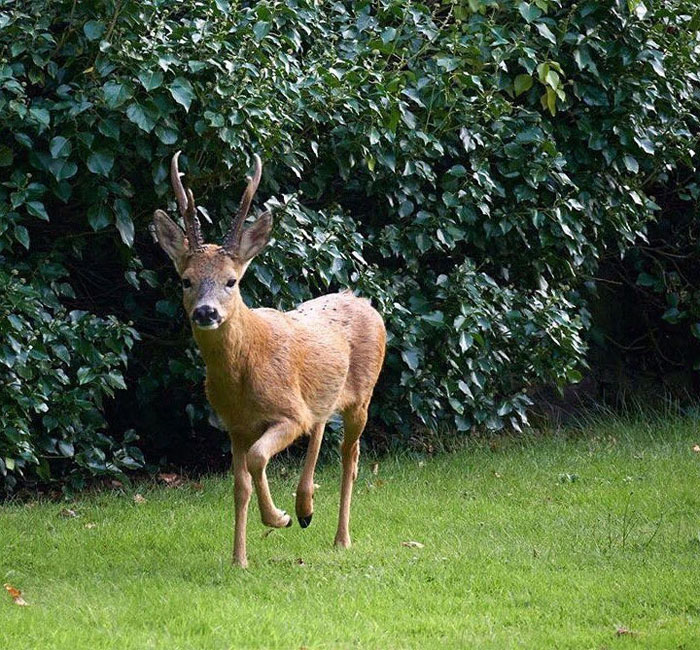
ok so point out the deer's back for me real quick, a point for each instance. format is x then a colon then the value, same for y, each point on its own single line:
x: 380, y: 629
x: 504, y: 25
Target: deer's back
x: 338, y: 342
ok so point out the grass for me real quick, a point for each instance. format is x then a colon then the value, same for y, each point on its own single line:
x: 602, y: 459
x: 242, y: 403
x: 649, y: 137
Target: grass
x: 560, y: 541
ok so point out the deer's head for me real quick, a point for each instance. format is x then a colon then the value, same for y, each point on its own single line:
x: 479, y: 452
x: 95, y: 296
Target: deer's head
x: 210, y: 273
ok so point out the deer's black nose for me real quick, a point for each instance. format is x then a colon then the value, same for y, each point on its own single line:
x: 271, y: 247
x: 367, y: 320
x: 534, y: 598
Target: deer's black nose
x: 205, y: 315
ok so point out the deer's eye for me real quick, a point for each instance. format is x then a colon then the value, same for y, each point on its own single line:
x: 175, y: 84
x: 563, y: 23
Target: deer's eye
x: 231, y: 283
x: 186, y: 283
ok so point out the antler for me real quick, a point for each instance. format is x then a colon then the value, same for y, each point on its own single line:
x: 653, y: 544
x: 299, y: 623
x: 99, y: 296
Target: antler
x: 232, y: 238
x: 186, y: 205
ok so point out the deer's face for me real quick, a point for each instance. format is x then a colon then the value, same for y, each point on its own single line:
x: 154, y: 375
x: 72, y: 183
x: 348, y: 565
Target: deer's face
x: 210, y: 274
x: 210, y: 287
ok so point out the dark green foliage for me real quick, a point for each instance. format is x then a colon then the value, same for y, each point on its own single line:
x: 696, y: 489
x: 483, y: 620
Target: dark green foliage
x: 464, y: 164
x: 56, y: 368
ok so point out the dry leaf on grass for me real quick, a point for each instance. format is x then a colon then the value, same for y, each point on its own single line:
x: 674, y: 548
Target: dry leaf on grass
x: 139, y: 498
x: 16, y: 595
x: 412, y: 544
x: 90, y: 525
x: 375, y: 468
x: 623, y: 631
x: 171, y: 480
x: 67, y: 512
x: 696, y: 449
x: 300, y: 562
x: 198, y: 486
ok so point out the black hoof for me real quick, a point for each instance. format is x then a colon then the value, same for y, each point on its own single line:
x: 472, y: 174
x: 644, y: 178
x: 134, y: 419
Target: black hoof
x: 305, y: 521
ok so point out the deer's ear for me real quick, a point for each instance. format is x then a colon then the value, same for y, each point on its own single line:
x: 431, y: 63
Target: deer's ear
x: 171, y: 238
x: 254, y: 238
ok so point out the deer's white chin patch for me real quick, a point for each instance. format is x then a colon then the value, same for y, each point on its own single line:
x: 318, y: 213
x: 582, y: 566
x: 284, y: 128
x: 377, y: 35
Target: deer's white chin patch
x: 211, y: 326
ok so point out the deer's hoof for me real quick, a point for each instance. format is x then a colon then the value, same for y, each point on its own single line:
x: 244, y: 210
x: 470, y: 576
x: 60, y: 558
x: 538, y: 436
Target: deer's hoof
x: 289, y: 523
x: 305, y: 521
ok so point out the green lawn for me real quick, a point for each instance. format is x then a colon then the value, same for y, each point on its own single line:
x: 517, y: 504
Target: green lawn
x: 541, y: 542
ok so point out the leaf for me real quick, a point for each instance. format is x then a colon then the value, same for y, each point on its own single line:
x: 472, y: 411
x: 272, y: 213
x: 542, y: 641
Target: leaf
x: 68, y: 513
x: 124, y: 224
x: 646, y: 280
x: 696, y: 449
x: 66, y: 448
x: 412, y: 544
x: 22, y: 236
x: 93, y: 29
x: 37, y: 209
x: 98, y: 217
x: 375, y: 468
x: 631, y: 163
x: 529, y: 12
x: 101, y: 162
x: 411, y: 358
x: 261, y: 30
x: 62, y: 169
x: 116, y: 93
x: 171, y: 480
x: 16, y: 595
x: 623, y: 631
x: 60, y: 147
x: 546, y: 32
x: 41, y: 115
x: 151, y: 79
x: 166, y: 134
x: 6, y: 156
x: 182, y: 92
x: 523, y: 83
x: 138, y: 498
x: 140, y: 117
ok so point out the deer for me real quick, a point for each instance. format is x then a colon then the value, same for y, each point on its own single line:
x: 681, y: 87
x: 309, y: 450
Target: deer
x: 272, y: 376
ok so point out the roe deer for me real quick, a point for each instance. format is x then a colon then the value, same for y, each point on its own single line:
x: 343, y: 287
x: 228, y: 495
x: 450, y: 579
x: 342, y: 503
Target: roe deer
x: 272, y: 376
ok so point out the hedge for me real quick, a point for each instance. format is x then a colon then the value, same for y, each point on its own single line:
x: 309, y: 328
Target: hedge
x: 465, y: 164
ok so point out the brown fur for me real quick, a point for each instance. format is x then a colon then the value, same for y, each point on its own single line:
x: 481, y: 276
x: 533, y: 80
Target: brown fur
x: 273, y: 376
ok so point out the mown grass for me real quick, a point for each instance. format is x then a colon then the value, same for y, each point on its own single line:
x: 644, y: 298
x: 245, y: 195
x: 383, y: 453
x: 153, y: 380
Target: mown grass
x: 560, y: 541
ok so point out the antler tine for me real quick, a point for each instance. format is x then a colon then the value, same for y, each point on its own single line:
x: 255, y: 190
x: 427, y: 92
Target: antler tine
x: 186, y: 206
x: 233, y: 236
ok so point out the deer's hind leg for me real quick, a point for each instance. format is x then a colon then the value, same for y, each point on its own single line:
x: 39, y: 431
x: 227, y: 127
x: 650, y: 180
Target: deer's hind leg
x: 354, y: 420
x: 305, y: 489
x: 275, y: 439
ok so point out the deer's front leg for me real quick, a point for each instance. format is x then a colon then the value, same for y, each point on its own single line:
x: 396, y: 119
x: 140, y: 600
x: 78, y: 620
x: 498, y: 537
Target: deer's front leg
x: 242, y: 491
x: 305, y: 489
x: 275, y: 439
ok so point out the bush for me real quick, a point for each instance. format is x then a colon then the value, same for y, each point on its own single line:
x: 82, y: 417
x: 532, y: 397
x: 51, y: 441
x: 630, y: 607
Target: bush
x: 464, y: 164
x: 56, y: 368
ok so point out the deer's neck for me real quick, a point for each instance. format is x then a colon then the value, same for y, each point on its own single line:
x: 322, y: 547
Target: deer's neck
x: 228, y: 349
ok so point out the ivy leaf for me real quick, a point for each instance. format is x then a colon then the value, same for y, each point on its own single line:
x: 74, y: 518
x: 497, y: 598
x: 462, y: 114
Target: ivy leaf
x: 93, y: 29
x: 166, y: 134
x: 523, y: 83
x: 101, y: 162
x: 182, y: 92
x: 140, y: 117
x: 546, y: 32
x: 98, y: 216
x: 411, y: 358
x: 116, y: 93
x: 41, y: 115
x: 151, y: 79
x: 124, y: 224
x: 37, y: 209
x: 60, y: 147
x: 62, y: 169
x: 22, y: 236
x: 529, y: 12
x: 631, y: 163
